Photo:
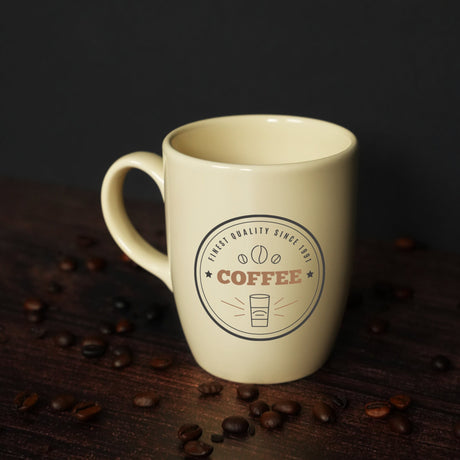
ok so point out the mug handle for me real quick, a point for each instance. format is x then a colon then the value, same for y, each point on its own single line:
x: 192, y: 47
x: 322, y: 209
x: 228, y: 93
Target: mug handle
x: 117, y: 220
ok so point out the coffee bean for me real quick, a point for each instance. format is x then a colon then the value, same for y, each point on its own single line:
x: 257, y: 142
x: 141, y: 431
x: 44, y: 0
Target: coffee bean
x: 271, y: 420
x: 96, y: 264
x: 440, y: 363
x: 456, y: 429
x: 68, y: 264
x: 84, y: 241
x: 377, y: 409
x: 217, y: 437
x: 161, y: 362
x: 405, y: 243
x: 340, y: 401
x: 323, y: 412
x: 235, y: 425
x: 122, y: 360
x: 287, y: 406
x: 403, y: 293
x: 146, y: 399
x: 63, y: 402
x: 86, y: 410
x: 378, y: 326
x: 54, y: 288
x: 198, y: 449
x: 93, y: 346
x: 210, y: 388
x: 189, y: 432
x: 25, y: 400
x: 247, y: 392
x: 124, y: 325
x: 35, y: 316
x: 400, y: 424
x: 34, y: 305
x: 120, y: 303
x: 122, y: 350
x: 257, y: 408
x: 401, y: 402
x: 64, y: 339
x: 106, y: 328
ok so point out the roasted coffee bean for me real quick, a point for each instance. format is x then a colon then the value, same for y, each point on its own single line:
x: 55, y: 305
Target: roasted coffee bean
x: 401, y: 402
x: 25, y: 400
x: 68, y: 264
x: 271, y: 420
x: 34, y: 305
x: 122, y: 350
x: 340, y: 401
x: 403, y: 293
x: 247, y: 392
x: 217, y: 437
x: 54, y: 288
x: 400, y: 424
x: 405, y: 243
x: 378, y: 326
x: 323, y: 412
x: 64, y: 339
x: 122, y: 360
x: 189, y: 432
x: 86, y: 410
x: 96, y: 264
x: 377, y: 409
x: 63, y: 402
x: 106, y: 328
x: 235, y: 425
x: 456, y: 429
x: 120, y: 303
x: 440, y: 363
x: 146, y: 399
x: 84, y: 241
x: 210, y: 388
x: 161, y: 362
x: 287, y: 406
x: 257, y: 408
x: 124, y: 325
x: 93, y: 346
x: 198, y: 449
x: 35, y: 316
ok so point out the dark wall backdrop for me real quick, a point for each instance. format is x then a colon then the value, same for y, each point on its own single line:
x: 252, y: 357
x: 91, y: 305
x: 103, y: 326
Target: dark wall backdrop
x: 83, y: 82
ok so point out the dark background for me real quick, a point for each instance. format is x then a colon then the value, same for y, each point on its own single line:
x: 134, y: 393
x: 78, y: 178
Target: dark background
x: 84, y: 82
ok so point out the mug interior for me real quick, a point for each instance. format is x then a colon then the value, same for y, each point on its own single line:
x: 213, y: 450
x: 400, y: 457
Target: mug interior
x: 261, y: 139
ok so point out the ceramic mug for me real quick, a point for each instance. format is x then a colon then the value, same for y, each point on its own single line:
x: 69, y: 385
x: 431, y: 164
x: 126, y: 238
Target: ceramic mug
x: 259, y: 228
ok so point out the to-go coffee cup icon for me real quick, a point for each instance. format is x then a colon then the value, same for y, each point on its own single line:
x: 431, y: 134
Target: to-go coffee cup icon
x: 260, y: 305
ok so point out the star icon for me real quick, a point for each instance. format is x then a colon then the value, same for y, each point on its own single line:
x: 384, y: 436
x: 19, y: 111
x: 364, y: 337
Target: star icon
x: 208, y: 274
x: 310, y: 274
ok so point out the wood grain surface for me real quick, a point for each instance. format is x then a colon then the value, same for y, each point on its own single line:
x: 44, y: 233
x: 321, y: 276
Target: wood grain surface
x: 39, y: 224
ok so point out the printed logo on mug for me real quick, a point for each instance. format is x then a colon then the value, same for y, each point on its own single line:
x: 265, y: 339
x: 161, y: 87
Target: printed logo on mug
x: 259, y: 226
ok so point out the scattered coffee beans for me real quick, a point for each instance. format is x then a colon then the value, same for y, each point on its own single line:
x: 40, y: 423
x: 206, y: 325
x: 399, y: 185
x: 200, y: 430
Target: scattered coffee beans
x: 34, y: 305
x: 96, y: 264
x: 440, y: 363
x: 68, y: 264
x: 189, y: 432
x: 93, y: 346
x: 401, y: 402
x: 161, y: 362
x: 25, y: 400
x: 247, y: 392
x: 35, y: 316
x: 64, y: 339
x: 377, y: 409
x: 123, y: 356
x: 198, y: 449
x: 378, y: 326
x: 340, y: 401
x: 257, y: 408
x: 235, y: 425
x: 400, y: 424
x: 287, y: 406
x: 271, y: 420
x: 86, y: 410
x: 323, y: 412
x: 210, y: 388
x: 146, y: 399
x: 124, y: 325
x: 106, y: 328
x: 63, y: 402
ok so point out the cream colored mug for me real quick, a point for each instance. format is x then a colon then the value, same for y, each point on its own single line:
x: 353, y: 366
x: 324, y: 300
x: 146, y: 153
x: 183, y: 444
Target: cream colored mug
x: 259, y: 229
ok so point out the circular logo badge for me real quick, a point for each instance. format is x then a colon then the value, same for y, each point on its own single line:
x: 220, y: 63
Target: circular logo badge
x: 259, y: 277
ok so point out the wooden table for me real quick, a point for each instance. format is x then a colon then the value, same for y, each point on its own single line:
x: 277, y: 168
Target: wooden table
x: 40, y: 223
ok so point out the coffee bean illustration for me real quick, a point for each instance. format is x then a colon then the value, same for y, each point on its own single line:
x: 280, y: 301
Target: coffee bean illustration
x: 242, y: 259
x: 276, y: 258
x: 259, y: 254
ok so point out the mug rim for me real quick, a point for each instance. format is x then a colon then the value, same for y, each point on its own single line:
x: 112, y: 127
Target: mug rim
x: 269, y: 118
